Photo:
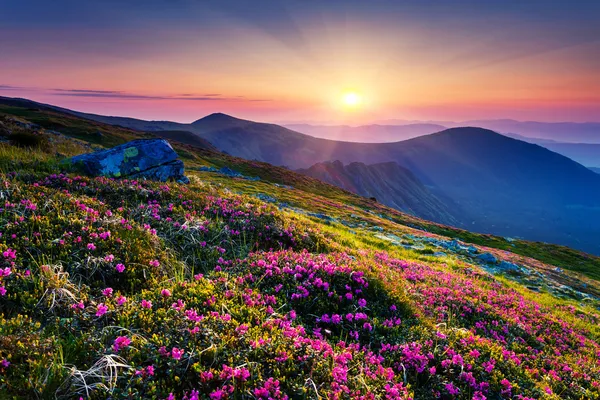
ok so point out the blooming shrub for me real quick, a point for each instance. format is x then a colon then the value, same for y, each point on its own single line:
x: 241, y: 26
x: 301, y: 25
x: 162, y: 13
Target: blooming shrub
x: 126, y: 289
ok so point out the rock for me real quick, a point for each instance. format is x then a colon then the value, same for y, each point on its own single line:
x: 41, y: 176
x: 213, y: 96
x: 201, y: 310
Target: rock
x: 266, y: 198
x: 506, y: 266
x: 152, y: 159
x: 487, y: 258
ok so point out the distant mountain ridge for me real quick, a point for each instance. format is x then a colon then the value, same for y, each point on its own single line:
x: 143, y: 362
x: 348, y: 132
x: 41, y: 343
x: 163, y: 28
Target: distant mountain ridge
x: 373, y: 133
x: 390, y: 184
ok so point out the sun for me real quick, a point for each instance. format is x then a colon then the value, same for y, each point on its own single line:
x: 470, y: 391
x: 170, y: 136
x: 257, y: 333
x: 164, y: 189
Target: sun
x: 351, y: 99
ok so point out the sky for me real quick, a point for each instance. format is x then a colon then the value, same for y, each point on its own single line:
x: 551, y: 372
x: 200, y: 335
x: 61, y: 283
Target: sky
x: 295, y: 61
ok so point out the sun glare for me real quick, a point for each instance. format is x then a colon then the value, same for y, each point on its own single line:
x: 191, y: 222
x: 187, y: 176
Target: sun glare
x: 351, y: 99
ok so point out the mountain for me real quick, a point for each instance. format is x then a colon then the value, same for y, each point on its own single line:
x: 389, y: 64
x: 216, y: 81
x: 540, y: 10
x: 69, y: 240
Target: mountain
x: 587, y: 154
x: 367, y: 133
x: 571, y: 132
x: 389, y: 183
x: 186, y: 137
x: 502, y: 185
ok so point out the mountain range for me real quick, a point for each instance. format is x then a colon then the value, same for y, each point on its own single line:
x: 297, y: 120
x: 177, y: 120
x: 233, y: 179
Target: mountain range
x: 482, y: 180
x: 390, y: 184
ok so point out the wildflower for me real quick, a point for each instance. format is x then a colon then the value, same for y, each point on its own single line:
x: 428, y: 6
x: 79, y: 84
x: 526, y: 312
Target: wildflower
x: 177, y: 353
x: 362, y: 303
x: 109, y: 258
x: 107, y: 292
x: 121, y: 300
x: 146, y: 304
x: 91, y: 246
x: 120, y: 267
x: 79, y: 305
x: 165, y: 293
x: 101, y: 310
x: 10, y: 254
x: 154, y: 263
x: 5, y: 363
x: 453, y: 390
x: 121, y: 342
x: 2, y: 291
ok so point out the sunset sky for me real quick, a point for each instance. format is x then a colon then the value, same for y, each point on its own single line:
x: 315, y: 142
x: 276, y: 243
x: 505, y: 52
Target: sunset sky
x: 296, y: 61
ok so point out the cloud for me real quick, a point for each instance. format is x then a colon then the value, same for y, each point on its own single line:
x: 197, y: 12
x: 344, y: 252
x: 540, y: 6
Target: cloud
x: 117, y: 94
x: 11, y: 87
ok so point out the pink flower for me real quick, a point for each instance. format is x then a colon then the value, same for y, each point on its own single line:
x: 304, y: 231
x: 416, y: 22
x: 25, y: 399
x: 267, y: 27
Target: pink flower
x: 165, y: 293
x: 91, y: 246
x: 146, y: 304
x: 2, y: 291
x: 121, y: 342
x: 121, y: 300
x: 5, y: 363
x: 101, y: 310
x: 109, y: 258
x: 362, y: 303
x: 107, y: 292
x: 453, y: 390
x: 120, y: 267
x: 154, y: 263
x: 177, y: 353
x: 79, y: 305
x: 10, y: 253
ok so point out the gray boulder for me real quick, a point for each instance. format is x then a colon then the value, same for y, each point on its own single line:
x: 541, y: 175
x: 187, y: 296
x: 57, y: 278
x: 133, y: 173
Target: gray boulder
x: 152, y: 159
x: 487, y: 258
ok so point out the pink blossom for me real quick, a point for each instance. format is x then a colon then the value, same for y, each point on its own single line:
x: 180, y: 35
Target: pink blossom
x: 120, y: 267
x: 121, y: 342
x: 146, y: 304
x: 101, y: 309
x: 177, y: 353
x: 165, y: 293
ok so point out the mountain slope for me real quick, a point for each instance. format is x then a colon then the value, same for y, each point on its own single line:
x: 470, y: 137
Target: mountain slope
x: 367, y: 133
x: 389, y: 183
x: 504, y: 186
x: 237, y: 288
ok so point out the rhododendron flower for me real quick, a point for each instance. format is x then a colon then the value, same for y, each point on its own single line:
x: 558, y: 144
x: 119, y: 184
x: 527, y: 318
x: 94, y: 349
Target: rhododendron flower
x: 121, y: 300
x: 362, y: 303
x: 79, y: 305
x: 107, y: 292
x: 165, y: 293
x: 154, y: 263
x: 120, y: 267
x: 10, y: 253
x: 109, y: 258
x: 91, y: 246
x: 101, y: 309
x: 2, y: 291
x: 146, y: 304
x: 453, y: 390
x: 121, y: 342
x: 177, y: 353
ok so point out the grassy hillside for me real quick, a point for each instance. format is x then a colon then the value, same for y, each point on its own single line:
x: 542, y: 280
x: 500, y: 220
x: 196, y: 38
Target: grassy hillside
x: 282, y: 287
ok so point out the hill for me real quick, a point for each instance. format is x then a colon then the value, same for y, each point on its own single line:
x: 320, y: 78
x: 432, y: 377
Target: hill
x: 234, y: 287
x: 390, y: 184
x: 503, y: 186
x: 367, y: 133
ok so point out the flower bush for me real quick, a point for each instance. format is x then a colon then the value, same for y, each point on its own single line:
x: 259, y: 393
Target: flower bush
x: 126, y: 289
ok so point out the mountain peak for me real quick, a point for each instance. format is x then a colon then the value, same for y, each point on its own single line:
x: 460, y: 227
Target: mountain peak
x: 217, y: 118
